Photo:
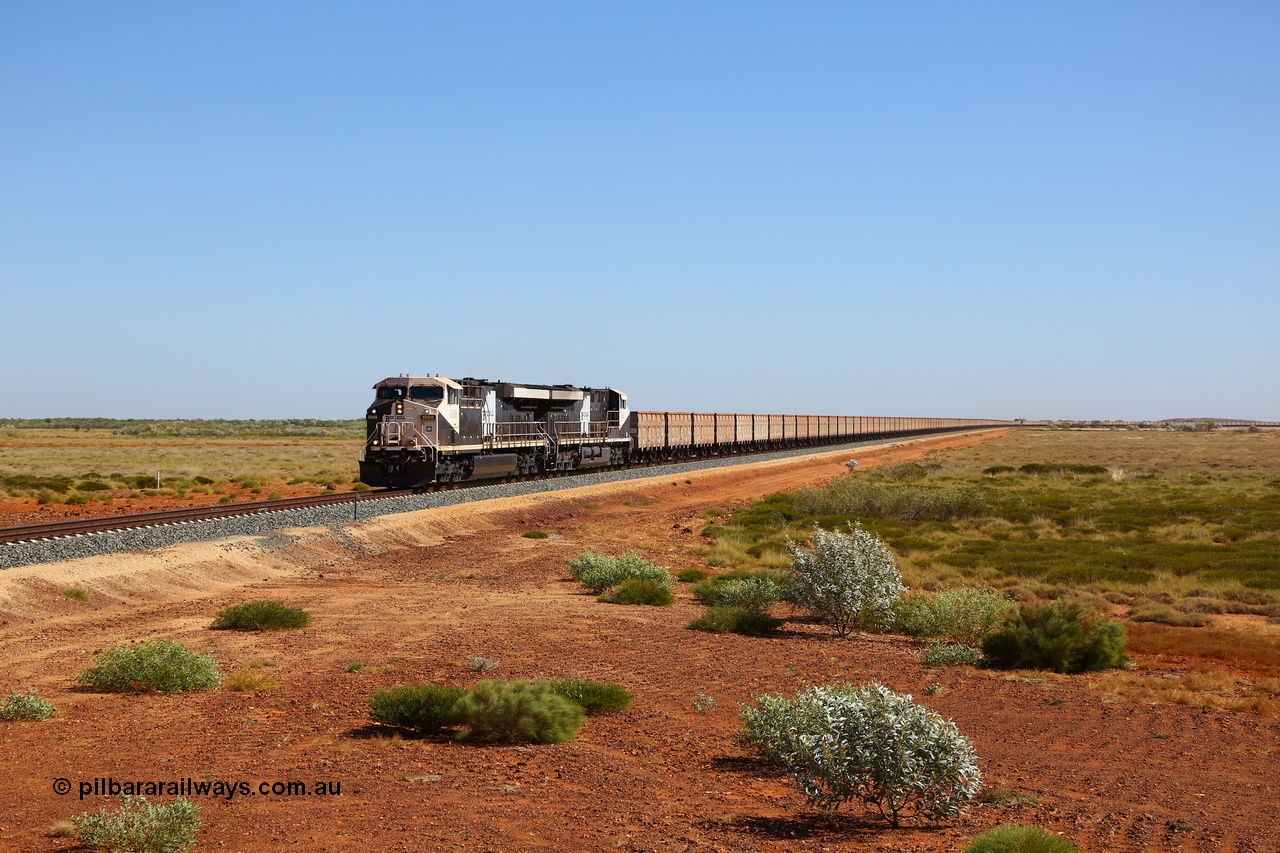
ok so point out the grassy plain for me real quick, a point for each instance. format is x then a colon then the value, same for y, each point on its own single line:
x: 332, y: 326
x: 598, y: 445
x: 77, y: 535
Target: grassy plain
x: 93, y: 464
x: 1177, y: 531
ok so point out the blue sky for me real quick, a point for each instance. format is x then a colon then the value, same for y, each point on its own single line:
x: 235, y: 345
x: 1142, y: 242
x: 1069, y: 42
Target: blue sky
x: 987, y: 209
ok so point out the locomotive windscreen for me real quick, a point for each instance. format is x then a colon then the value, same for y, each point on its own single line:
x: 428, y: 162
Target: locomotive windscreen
x: 426, y: 392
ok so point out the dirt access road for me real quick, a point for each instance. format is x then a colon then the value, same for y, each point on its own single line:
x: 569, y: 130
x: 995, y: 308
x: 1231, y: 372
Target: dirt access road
x: 412, y: 597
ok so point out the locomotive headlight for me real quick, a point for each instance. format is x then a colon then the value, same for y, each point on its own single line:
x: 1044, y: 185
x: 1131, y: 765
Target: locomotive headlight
x: 399, y: 408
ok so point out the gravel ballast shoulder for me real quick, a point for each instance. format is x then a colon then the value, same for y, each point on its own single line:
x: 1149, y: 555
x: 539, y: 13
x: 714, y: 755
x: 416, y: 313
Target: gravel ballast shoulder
x: 15, y: 554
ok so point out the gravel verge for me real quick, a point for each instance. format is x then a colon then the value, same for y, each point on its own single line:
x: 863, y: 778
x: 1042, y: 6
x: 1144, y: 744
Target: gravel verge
x: 15, y: 554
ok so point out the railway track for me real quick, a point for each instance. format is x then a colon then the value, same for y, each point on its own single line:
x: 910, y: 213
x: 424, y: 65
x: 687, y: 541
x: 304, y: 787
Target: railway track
x: 160, y: 518
x: 99, y: 524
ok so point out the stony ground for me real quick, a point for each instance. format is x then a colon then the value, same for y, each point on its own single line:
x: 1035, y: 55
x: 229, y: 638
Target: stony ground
x: 413, y: 597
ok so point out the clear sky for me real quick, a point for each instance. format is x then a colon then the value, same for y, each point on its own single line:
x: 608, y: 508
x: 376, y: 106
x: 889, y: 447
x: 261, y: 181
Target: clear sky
x: 991, y: 209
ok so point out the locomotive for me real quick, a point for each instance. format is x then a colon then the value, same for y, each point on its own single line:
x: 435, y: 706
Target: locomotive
x: 429, y: 430
x: 425, y: 430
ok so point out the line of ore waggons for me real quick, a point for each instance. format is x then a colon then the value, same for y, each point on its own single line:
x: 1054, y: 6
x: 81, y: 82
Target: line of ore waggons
x: 429, y: 430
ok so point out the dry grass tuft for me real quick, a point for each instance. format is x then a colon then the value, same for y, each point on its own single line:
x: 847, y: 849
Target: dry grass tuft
x: 1203, y: 687
x: 249, y: 678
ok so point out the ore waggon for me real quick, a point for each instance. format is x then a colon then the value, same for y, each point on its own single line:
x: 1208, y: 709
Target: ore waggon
x: 429, y: 430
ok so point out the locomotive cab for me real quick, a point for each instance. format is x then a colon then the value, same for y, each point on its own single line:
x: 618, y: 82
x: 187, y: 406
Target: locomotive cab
x: 402, y: 429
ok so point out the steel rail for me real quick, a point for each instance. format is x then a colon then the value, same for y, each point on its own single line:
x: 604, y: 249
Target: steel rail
x: 209, y: 512
x: 102, y: 523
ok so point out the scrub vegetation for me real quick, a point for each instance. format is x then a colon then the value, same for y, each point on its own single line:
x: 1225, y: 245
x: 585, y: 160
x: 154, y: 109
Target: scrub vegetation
x: 161, y: 666
x: 528, y: 711
x: 600, y: 573
x: 261, y: 614
x: 140, y: 826
x: 27, y: 707
x: 1177, y: 534
x: 843, y: 743
x: 52, y: 461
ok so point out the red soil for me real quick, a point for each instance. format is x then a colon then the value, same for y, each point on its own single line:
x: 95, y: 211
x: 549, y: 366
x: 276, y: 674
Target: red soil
x: 447, y: 584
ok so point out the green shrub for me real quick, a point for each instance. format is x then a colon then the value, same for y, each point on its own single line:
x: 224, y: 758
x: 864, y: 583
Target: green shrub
x: 736, y: 620
x: 849, y: 579
x: 518, y: 711
x: 866, y: 743
x: 598, y: 572
x: 425, y: 707
x: 158, y: 665
x: 691, y: 575
x: 76, y: 592
x: 202, y: 481
x: 710, y: 591
x: 961, y: 615
x: 951, y: 654
x: 636, y: 591
x: 535, y: 534
x: 1064, y: 636
x: 748, y: 593
x: 1012, y: 838
x: 27, y: 707
x: 142, y: 827
x: 261, y: 615
x: 594, y: 697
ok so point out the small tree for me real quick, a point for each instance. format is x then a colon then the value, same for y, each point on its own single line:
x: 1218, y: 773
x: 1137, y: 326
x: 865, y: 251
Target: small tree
x: 848, y: 579
x: 867, y: 743
x: 519, y: 711
x: 1064, y: 636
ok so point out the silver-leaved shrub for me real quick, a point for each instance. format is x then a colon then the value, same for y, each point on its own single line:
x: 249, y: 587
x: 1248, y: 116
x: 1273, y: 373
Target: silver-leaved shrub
x: 867, y: 743
x: 599, y: 572
x: 849, y: 579
x: 142, y: 826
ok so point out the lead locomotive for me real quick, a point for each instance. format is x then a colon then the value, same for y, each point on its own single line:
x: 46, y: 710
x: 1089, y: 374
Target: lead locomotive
x: 425, y: 430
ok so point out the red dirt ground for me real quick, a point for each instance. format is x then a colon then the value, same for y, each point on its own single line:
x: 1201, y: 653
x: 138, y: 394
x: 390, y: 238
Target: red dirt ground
x: 428, y: 590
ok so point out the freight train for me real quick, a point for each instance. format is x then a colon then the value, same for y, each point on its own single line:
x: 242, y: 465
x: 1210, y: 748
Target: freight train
x: 429, y: 430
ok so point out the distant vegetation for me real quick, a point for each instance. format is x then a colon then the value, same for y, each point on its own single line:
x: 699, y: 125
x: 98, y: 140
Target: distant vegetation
x: 107, y: 461
x: 195, y: 427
